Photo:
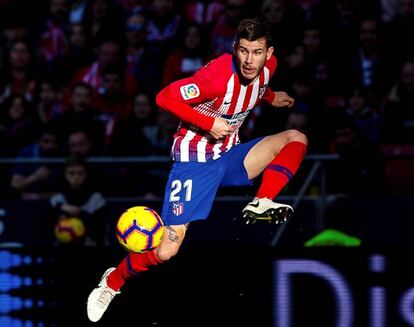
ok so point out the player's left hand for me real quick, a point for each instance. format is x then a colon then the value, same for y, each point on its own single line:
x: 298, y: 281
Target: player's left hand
x: 282, y: 99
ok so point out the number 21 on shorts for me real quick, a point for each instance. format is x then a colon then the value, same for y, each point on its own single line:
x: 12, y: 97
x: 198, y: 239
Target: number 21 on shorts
x: 177, y: 186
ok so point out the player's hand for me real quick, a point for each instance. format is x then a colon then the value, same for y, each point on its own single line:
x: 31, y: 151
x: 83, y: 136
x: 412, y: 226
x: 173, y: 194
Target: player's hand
x: 282, y: 99
x: 220, y: 129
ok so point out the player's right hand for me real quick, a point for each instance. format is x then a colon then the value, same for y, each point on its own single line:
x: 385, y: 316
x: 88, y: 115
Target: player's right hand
x: 220, y: 129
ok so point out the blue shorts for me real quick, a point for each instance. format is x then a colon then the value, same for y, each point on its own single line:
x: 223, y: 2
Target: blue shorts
x: 192, y: 186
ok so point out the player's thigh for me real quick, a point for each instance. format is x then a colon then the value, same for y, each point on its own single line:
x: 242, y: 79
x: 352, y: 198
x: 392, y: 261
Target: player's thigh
x: 171, y: 241
x: 262, y: 153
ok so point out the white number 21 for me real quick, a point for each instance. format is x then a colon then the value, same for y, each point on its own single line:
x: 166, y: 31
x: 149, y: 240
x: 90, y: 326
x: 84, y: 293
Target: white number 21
x: 176, y: 186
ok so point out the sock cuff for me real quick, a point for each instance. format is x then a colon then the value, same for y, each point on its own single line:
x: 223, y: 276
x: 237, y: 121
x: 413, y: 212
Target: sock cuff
x: 296, y: 145
x: 281, y: 169
x: 152, y: 258
x: 129, y: 265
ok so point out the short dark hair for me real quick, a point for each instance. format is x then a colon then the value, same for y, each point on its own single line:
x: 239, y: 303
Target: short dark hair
x: 253, y: 29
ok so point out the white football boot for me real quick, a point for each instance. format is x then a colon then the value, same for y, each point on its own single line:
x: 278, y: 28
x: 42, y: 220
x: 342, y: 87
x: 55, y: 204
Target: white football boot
x: 100, y: 297
x: 264, y: 209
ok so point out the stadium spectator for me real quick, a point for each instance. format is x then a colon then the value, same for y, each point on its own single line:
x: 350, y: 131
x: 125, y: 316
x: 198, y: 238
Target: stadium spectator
x: 204, y: 13
x: 283, y: 16
x: 339, y: 21
x: 309, y: 8
x: 163, y: 134
x: 79, y: 54
x: 306, y: 98
x: 108, y: 53
x: 163, y: 22
x: 289, y: 66
x: 47, y: 100
x: 389, y: 9
x: 54, y: 42
x: 224, y: 30
x: 361, y: 111
x: 79, y: 143
x: 114, y: 101
x: 78, y: 196
x: 81, y: 115
x: 188, y: 56
x: 369, y: 65
x: 144, y: 111
x: 37, y: 181
x: 18, y: 76
x: 143, y: 58
x: 14, y: 30
x: 314, y: 45
x: 130, y: 136
x: 318, y: 64
x: 18, y: 125
x: 349, y: 176
x: 398, y: 33
x: 398, y: 108
x: 102, y: 20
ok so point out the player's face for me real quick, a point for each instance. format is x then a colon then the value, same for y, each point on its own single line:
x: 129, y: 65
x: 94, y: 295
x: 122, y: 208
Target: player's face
x: 251, y: 57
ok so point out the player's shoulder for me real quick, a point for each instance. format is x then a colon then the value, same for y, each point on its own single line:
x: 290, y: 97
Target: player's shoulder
x: 215, y: 71
x: 220, y: 64
x: 271, y: 63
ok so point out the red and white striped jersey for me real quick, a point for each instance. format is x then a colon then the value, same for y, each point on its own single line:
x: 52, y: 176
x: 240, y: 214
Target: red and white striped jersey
x: 213, y: 91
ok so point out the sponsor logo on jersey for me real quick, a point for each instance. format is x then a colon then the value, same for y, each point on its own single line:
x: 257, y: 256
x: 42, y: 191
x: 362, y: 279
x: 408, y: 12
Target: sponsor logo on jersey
x: 235, y: 119
x: 189, y: 91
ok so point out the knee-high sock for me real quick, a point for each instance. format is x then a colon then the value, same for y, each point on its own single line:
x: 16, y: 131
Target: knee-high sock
x: 278, y: 173
x: 131, y: 265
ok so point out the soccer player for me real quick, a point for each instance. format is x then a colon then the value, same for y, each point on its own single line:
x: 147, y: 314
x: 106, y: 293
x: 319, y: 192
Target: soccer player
x: 212, y: 105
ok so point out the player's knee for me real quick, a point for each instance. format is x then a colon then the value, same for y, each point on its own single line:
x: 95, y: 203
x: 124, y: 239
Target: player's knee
x: 165, y: 253
x: 293, y: 135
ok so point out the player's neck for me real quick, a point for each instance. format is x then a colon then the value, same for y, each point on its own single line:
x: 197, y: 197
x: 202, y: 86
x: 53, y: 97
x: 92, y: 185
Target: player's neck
x: 247, y: 82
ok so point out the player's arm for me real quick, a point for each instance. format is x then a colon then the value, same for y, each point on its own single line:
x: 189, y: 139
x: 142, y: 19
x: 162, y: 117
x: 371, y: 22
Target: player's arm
x: 21, y: 182
x: 172, y: 99
x: 178, y: 98
x: 278, y: 99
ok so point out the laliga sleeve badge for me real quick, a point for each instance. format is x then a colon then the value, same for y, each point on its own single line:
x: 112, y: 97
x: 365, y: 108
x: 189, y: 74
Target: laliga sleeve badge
x: 189, y: 91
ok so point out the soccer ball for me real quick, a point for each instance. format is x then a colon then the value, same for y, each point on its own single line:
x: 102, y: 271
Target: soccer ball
x: 139, y: 229
x: 69, y: 230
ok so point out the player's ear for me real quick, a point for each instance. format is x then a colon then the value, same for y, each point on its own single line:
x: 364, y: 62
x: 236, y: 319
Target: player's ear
x: 269, y: 53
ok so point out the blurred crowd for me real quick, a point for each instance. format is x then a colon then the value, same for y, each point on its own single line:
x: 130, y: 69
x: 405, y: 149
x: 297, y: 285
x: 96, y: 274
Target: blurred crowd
x: 79, y: 77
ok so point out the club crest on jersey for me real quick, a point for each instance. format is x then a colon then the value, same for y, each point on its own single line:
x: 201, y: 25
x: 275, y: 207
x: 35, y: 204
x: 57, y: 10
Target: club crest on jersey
x: 189, y: 91
x: 262, y: 90
x: 177, y: 208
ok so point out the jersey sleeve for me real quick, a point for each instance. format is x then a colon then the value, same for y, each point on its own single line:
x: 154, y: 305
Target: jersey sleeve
x: 179, y: 97
x: 272, y: 65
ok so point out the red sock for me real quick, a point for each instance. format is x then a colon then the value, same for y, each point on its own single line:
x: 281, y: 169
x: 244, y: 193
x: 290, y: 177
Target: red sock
x: 282, y: 168
x: 132, y: 264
